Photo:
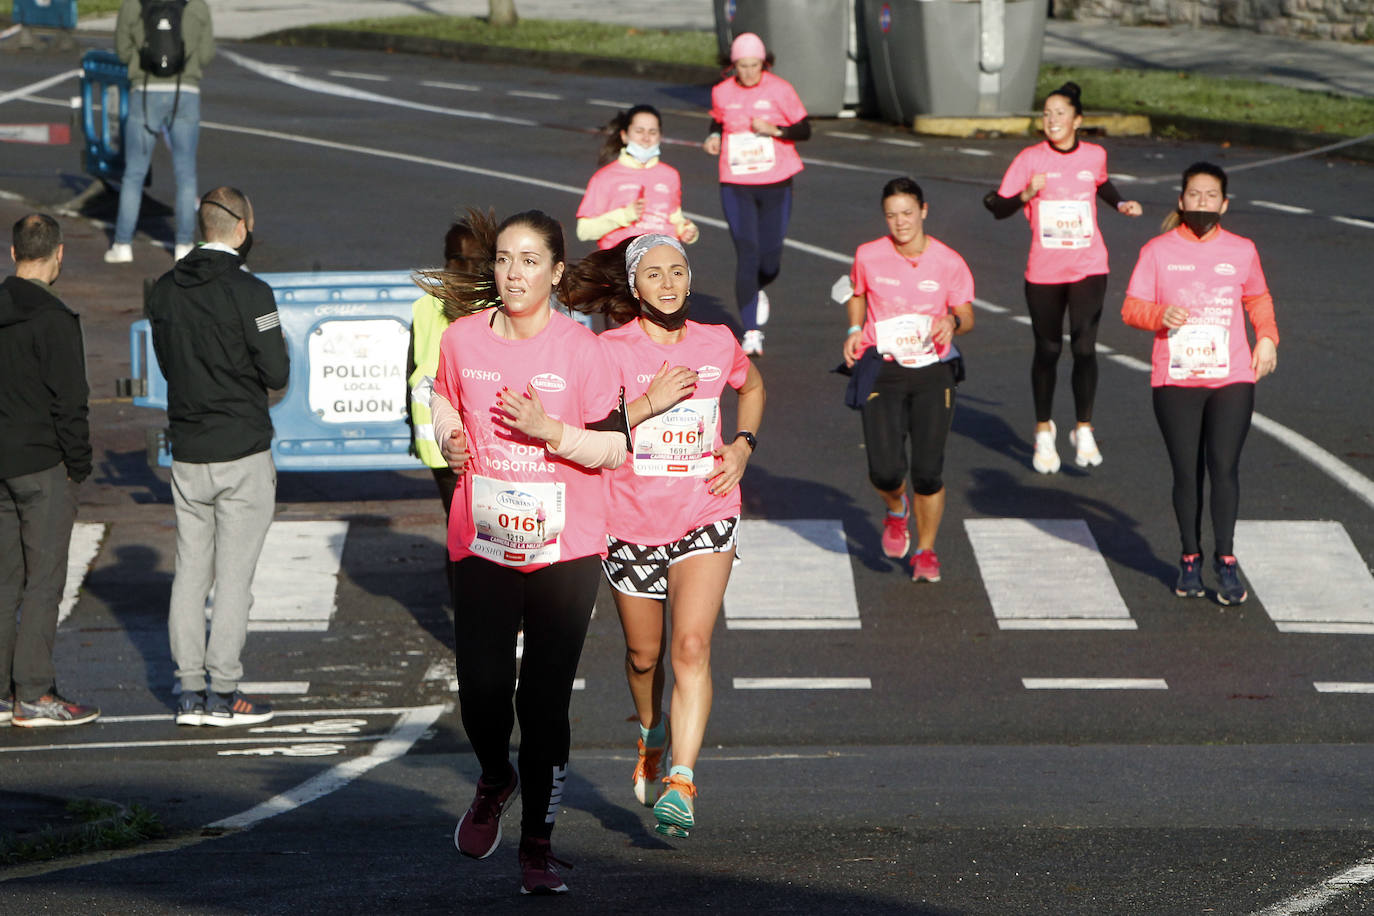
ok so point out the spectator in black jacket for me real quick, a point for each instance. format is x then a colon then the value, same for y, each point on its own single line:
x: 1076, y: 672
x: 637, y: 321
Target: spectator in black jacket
x: 219, y: 343
x: 45, y: 451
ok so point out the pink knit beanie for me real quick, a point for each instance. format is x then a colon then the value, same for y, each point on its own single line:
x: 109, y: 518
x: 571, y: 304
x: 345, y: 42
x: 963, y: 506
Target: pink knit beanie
x: 747, y: 45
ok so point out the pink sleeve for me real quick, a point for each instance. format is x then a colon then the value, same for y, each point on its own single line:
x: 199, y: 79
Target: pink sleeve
x: 1101, y: 177
x: 960, y: 284
x: 789, y: 103
x: 856, y: 275
x: 594, y: 200
x: 1016, y: 177
x: 442, y: 383
x: 1255, y: 284
x: 717, y: 112
x: 1142, y: 282
x: 600, y: 391
x: 739, y: 367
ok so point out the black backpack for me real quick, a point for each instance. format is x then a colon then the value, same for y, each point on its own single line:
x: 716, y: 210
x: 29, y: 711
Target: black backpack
x: 163, y: 52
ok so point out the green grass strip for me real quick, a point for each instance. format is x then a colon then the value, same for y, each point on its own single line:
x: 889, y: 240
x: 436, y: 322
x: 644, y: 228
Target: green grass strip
x: 102, y: 826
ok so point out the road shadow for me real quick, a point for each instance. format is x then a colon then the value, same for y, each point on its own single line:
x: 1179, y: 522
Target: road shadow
x: 779, y: 498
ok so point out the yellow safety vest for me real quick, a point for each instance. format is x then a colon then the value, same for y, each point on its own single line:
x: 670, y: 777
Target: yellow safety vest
x: 427, y: 325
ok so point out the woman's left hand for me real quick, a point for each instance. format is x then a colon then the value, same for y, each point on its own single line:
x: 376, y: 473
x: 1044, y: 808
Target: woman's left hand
x: 1130, y: 208
x: 733, y: 457
x: 688, y: 233
x: 764, y: 127
x: 1265, y: 359
x: 942, y: 331
x: 525, y: 413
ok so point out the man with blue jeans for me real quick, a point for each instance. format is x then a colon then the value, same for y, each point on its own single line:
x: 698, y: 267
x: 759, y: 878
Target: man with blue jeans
x: 161, y: 106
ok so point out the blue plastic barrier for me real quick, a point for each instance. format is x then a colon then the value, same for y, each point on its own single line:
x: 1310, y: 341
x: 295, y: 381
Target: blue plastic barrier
x: 102, y: 75
x: 345, y: 405
x: 45, y: 14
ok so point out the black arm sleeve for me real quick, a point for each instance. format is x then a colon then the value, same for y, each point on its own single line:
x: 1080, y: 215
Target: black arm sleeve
x: 1002, y: 207
x: 796, y: 132
x: 617, y: 421
x: 1109, y: 194
x: 716, y: 128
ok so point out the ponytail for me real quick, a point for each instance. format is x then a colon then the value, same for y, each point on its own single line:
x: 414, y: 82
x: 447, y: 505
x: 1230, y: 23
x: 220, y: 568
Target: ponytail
x: 611, y: 144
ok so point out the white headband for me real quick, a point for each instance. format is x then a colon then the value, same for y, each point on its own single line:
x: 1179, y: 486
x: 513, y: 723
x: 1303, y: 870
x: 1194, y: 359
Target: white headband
x: 642, y: 245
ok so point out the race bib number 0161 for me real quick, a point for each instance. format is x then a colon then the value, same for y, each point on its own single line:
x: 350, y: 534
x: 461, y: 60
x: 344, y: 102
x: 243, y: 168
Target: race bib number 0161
x: 516, y: 523
x: 678, y: 442
x: 1199, y: 351
x: 1065, y: 224
x: 906, y: 338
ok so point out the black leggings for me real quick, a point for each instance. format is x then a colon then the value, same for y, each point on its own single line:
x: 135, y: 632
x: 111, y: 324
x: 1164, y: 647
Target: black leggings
x: 554, y: 605
x: 1204, y: 430
x: 909, y: 405
x: 1047, y: 302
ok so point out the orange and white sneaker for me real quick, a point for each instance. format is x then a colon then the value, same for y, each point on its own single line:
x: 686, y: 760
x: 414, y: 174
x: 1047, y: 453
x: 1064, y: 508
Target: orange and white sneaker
x: 676, y: 807
x: 647, y: 768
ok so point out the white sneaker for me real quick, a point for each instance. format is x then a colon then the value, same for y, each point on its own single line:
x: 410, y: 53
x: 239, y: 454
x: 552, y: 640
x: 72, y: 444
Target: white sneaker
x: 120, y: 254
x: 752, y: 343
x: 183, y: 250
x: 1046, y: 458
x: 1088, y: 453
x: 763, y: 308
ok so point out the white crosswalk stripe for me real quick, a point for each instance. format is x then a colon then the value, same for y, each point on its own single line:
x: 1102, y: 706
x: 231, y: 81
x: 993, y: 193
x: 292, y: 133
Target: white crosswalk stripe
x: 794, y: 575
x: 81, y: 553
x: 1308, y: 575
x: 297, y: 576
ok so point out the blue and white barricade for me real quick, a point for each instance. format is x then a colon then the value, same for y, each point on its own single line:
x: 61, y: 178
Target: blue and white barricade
x: 45, y: 14
x: 104, y: 114
x: 345, y: 406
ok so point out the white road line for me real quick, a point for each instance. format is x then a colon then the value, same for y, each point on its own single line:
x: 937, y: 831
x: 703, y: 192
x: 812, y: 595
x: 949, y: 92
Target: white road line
x: 350, y: 75
x: 403, y: 736
x: 1130, y: 362
x: 1352, y: 221
x: 969, y: 151
x: 279, y: 714
x: 297, y: 576
x: 460, y: 87
x: 38, y: 86
x: 275, y: 688
x: 1121, y: 176
x: 1308, y: 575
x: 529, y: 94
x: 1339, y: 470
x: 846, y: 135
x: 1046, y: 574
x: 182, y: 742
x: 803, y: 683
x: 1317, y: 896
x: 897, y: 141
x: 799, y: 577
x: 1094, y: 683
x: 1282, y: 208
x: 989, y: 307
x: 84, y: 545
x: 1343, y: 686
x: 607, y: 103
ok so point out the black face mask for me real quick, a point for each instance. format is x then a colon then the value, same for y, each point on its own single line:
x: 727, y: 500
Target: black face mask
x: 1200, y: 222
x: 247, y: 246
x: 668, y: 321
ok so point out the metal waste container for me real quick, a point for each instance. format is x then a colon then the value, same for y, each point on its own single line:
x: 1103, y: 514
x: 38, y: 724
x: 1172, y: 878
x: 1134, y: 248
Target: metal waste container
x: 953, y: 57
x: 45, y: 14
x: 809, y: 38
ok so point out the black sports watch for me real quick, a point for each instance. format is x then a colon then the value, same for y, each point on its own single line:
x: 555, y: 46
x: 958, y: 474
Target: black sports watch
x: 747, y: 437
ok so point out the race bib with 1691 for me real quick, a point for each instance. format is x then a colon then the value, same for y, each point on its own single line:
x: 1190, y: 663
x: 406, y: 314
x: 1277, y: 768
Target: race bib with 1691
x: 677, y: 442
x: 517, y: 523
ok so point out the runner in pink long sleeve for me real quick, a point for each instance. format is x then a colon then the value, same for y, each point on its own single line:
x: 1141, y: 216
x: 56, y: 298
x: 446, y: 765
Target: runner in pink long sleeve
x: 673, y: 508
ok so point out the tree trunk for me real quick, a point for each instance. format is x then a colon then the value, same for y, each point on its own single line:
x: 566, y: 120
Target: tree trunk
x: 503, y: 14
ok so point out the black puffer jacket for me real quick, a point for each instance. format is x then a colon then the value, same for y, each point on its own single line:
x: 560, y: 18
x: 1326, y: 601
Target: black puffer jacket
x: 218, y: 341
x: 43, y: 390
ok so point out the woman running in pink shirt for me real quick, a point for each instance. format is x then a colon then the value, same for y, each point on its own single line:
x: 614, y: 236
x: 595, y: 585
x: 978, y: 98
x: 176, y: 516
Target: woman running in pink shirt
x: 757, y: 119
x: 634, y: 192
x: 1193, y: 287
x: 673, y: 508
x: 1056, y: 183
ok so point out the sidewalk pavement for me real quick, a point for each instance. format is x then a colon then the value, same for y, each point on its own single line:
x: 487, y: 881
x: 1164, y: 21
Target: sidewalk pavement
x: 1341, y: 67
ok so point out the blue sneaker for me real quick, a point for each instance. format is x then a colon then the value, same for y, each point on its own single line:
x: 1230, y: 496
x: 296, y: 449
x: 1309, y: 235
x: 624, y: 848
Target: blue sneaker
x: 1229, y: 588
x: 191, y: 708
x: 676, y: 807
x: 1190, y: 577
x: 6, y: 710
x: 234, y: 709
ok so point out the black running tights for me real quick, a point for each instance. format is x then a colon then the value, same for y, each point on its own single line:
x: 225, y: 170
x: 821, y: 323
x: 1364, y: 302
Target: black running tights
x: 554, y: 605
x: 1047, y: 303
x: 1204, y: 430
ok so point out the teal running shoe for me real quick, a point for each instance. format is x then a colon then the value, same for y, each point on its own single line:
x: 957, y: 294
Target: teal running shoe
x: 676, y: 808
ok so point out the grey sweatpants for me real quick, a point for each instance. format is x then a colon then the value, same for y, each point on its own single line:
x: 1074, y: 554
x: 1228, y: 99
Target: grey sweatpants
x: 36, y: 515
x: 223, y: 512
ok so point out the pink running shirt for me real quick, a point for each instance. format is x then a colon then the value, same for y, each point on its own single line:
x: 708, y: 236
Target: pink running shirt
x: 661, y: 493
x: 617, y: 184
x: 744, y: 157
x: 1210, y: 279
x: 905, y: 294
x: 1066, y: 244
x: 511, y: 480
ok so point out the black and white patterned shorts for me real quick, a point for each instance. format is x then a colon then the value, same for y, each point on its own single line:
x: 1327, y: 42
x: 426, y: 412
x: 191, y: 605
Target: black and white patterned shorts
x: 634, y: 569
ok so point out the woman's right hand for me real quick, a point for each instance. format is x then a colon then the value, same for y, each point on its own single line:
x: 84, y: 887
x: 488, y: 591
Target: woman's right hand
x: 712, y: 144
x: 1037, y: 184
x: 455, y: 450
x: 853, y: 348
x: 1175, y: 316
x: 669, y: 386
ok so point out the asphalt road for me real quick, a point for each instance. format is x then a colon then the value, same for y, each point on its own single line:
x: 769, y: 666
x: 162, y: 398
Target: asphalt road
x: 937, y: 781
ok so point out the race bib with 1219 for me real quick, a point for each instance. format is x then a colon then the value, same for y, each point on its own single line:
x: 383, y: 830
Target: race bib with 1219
x: 1199, y: 351
x: 677, y: 442
x: 517, y: 523
x: 1065, y: 224
x: 748, y: 153
x: 906, y: 338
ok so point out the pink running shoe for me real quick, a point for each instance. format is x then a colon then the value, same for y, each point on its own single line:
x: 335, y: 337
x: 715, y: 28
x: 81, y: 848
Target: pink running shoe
x: 896, y: 536
x: 925, y: 565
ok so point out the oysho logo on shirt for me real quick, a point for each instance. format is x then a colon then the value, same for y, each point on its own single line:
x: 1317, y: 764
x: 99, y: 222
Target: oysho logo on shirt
x: 708, y: 373
x: 928, y: 286
x: 484, y: 375
x: 1085, y: 175
x: 887, y: 281
x: 763, y: 104
x: 661, y: 188
x: 1181, y: 267
x: 1225, y: 269
x: 548, y: 381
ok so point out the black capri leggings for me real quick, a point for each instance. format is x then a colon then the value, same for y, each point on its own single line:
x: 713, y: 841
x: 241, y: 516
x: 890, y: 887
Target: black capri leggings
x: 1047, y: 302
x: 915, y: 405
x: 554, y: 604
x: 1204, y: 430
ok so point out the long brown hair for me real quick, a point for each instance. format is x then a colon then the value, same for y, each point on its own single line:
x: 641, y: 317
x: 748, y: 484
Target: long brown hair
x: 599, y: 283
x: 611, y: 144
